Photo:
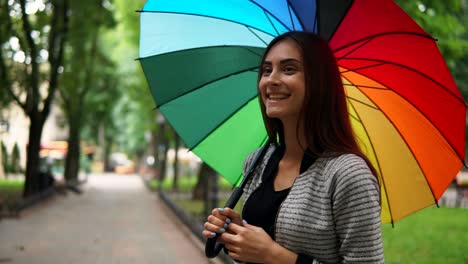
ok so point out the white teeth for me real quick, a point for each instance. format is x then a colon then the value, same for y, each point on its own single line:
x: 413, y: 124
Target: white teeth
x: 277, y: 96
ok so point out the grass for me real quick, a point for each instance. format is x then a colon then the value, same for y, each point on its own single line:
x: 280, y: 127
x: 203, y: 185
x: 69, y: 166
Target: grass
x: 10, y: 191
x: 195, y: 208
x: 186, y: 183
x: 433, y: 235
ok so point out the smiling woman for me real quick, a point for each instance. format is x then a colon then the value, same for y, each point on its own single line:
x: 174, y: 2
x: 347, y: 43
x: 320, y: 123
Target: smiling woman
x: 314, y: 197
x: 281, y: 84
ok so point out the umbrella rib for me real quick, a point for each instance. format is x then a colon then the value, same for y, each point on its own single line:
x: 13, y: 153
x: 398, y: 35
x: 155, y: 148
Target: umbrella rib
x: 295, y: 12
x: 268, y: 12
x: 341, y: 20
x: 207, y: 83
x: 374, y: 36
x: 317, y: 17
x: 269, y: 20
x: 204, y: 47
x: 412, y: 70
x: 353, y: 50
x: 222, y: 122
x: 363, y: 103
x: 290, y: 15
x: 200, y: 15
x: 377, y: 160
x: 253, y: 52
x: 366, y: 86
x: 264, y: 42
x: 364, y: 67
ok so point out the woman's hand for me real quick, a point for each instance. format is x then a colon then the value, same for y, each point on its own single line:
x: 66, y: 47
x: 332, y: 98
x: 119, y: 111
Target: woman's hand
x: 248, y: 243
x: 218, y: 221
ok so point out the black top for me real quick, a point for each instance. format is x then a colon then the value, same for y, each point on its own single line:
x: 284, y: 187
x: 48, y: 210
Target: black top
x: 263, y: 204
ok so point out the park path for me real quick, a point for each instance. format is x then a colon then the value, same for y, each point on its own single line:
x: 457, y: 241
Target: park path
x: 115, y: 220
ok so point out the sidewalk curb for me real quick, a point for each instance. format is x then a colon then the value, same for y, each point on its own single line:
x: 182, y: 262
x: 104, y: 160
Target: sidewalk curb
x: 28, y: 202
x: 194, y: 226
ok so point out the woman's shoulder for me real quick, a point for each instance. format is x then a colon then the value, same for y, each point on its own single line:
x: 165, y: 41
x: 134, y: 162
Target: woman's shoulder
x: 343, y: 167
x: 339, y: 160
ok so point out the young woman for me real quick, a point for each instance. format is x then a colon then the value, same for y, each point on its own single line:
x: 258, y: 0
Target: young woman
x: 314, y: 198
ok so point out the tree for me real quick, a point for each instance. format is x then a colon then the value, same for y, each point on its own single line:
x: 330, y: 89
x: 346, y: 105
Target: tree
x: 33, y: 36
x: 86, y: 64
x: 15, y: 166
x: 5, y: 159
x: 206, y: 188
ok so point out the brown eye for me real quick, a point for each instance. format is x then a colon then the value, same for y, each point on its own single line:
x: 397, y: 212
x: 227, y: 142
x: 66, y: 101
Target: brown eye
x: 266, y: 70
x: 290, y: 69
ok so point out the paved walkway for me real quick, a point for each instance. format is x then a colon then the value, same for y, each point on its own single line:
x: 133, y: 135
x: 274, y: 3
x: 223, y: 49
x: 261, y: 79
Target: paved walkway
x: 115, y: 220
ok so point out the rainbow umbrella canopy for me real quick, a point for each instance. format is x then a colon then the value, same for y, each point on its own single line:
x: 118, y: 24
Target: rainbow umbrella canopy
x: 200, y: 59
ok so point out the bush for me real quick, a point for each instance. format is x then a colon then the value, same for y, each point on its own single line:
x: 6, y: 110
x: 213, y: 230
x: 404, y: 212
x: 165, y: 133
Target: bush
x: 5, y: 163
x: 15, y: 159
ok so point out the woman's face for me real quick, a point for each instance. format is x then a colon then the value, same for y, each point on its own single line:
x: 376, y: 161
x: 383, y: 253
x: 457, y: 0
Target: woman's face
x: 282, y: 84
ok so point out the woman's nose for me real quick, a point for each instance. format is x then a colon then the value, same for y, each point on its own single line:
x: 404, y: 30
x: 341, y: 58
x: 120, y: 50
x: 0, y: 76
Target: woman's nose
x: 273, y: 78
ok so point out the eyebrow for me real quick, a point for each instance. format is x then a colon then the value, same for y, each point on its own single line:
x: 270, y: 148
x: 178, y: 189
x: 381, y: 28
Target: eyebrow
x: 284, y: 61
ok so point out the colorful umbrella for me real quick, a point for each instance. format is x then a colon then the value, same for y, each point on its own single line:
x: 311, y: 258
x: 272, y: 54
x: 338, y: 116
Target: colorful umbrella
x: 200, y: 59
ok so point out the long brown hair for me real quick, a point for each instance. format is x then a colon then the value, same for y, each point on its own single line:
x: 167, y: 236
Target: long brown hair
x: 327, y: 125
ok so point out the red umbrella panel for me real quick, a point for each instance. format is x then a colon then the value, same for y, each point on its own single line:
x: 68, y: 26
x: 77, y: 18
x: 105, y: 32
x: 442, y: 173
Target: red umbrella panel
x: 406, y: 108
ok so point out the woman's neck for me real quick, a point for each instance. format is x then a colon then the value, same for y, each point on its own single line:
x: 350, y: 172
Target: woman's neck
x: 295, y: 143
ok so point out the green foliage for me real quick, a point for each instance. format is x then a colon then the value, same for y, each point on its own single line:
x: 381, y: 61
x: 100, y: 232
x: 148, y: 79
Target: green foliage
x: 15, y: 159
x: 89, y: 89
x: 5, y: 158
x: 186, y: 184
x: 16, y: 51
x: 134, y: 113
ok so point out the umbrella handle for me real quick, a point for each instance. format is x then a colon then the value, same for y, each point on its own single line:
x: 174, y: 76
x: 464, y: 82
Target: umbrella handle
x: 212, y: 248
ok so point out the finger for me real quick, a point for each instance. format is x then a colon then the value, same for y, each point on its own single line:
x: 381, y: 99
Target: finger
x: 218, y: 212
x: 232, y: 215
x: 234, y: 255
x: 235, y: 228
x: 208, y: 234
x: 232, y: 248
x: 229, y: 238
x: 213, y: 228
x: 217, y: 222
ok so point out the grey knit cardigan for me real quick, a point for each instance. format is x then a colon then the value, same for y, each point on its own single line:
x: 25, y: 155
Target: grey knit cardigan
x: 332, y: 212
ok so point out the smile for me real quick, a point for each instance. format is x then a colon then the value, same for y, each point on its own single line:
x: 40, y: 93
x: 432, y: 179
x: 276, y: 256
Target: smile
x: 277, y: 96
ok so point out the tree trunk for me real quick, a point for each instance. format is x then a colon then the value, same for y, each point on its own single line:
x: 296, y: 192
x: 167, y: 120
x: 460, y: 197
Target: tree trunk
x: 162, y: 174
x: 200, y: 191
x: 2, y: 169
x: 34, y: 179
x: 163, y: 147
x: 101, y: 143
x: 72, y: 161
x: 107, y: 153
x: 155, y: 152
x: 175, y: 184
